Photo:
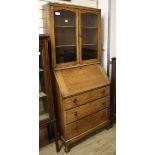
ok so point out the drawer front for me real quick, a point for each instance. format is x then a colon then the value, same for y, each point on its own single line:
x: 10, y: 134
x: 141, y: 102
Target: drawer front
x: 85, y: 97
x: 86, y: 123
x: 87, y: 109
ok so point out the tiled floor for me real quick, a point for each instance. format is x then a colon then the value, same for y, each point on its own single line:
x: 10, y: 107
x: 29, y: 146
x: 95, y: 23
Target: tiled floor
x: 102, y: 143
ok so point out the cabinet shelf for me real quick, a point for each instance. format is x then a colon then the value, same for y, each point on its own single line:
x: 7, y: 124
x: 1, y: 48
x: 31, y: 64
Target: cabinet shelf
x: 89, y: 27
x: 65, y: 45
x: 42, y: 94
x: 57, y: 26
x: 43, y: 116
x: 89, y: 44
x: 41, y: 70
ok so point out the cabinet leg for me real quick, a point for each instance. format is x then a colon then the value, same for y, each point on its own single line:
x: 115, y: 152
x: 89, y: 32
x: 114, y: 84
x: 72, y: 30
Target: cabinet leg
x: 67, y: 148
x: 111, y: 122
x: 49, y: 132
x: 56, y: 137
x: 108, y: 126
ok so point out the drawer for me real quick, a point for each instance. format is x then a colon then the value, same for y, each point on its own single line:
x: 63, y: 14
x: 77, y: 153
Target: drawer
x: 87, y: 109
x: 86, y: 123
x: 85, y: 97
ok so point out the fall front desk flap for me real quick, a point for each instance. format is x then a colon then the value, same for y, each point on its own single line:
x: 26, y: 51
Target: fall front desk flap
x: 80, y: 79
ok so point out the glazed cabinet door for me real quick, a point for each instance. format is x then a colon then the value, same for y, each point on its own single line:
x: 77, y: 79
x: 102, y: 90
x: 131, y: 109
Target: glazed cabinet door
x: 65, y: 40
x: 43, y: 97
x: 90, y: 32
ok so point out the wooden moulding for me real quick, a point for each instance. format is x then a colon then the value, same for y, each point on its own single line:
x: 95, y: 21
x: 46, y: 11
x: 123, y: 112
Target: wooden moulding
x: 84, y: 134
x: 73, y: 6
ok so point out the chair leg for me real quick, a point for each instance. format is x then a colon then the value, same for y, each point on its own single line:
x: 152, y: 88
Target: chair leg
x: 111, y: 121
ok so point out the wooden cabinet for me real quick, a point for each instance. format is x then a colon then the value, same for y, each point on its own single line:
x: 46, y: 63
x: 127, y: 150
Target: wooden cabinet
x: 75, y: 34
x: 45, y: 100
x: 46, y: 105
x: 81, y: 84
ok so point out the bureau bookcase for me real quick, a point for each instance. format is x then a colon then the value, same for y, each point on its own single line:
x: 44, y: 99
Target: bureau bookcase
x: 81, y: 84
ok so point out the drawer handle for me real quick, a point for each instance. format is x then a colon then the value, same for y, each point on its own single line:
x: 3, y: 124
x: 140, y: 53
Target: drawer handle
x: 103, y: 116
x: 103, y: 103
x: 75, y: 100
x: 76, y: 128
x: 75, y: 113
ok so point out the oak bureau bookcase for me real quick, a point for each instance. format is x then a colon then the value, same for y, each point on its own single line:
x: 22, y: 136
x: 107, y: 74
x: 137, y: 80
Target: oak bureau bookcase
x: 82, y: 86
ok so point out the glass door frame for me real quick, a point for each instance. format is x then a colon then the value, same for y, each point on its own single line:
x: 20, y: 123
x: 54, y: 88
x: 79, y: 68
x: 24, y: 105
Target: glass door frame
x: 43, y: 45
x: 96, y: 12
x: 53, y: 46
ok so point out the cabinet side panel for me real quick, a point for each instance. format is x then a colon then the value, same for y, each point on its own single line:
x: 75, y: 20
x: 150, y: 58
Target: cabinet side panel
x: 59, y: 110
x: 48, y: 14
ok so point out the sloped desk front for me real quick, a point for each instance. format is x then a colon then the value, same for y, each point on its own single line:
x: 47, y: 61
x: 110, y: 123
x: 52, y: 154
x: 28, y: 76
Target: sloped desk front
x: 80, y: 79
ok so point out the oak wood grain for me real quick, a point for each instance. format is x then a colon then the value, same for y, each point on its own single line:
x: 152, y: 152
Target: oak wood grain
x: 87, y: 123
x: 80, y: 79
x: 85, y: 97
x: 87, y: 109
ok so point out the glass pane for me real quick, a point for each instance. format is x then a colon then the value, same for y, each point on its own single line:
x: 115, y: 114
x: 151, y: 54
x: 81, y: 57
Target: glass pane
x: 41, y: 82
x: 89, y: 36
x: 89, y: 20
x: 89, y: 52
x: 65, y: 54
x: 40, y: 59
x: 43, y: 103
x: 41, y: 73
x: 43, y: 106
x: 89, y: 23
x: 65, y: 36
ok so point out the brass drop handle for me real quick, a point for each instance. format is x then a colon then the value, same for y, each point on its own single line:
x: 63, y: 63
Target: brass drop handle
x: 75, y: 101
x: 102, y: 116
x: 76, y: 128
x: 75, y: 113
x: 103, y: 103
x: 103, y: 91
